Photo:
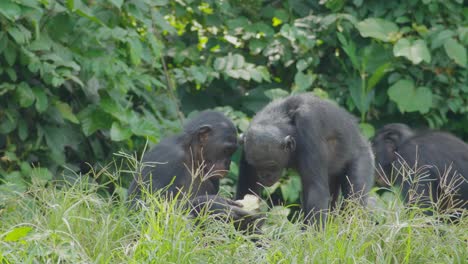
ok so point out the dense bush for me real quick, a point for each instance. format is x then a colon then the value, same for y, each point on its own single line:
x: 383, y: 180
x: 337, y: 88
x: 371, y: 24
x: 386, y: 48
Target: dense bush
x: 82, y: 79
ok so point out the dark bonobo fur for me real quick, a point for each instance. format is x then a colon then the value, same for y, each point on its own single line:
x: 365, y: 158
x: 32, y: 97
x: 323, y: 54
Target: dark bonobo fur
x: 441, y: 160
x: 203, y: 149
x: 318, y: 139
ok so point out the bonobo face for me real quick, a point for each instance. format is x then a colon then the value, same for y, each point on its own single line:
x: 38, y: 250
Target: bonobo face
x: 383, y: 150
x: 268, y: 151
x: 218, y: 147
x: 384, y: 145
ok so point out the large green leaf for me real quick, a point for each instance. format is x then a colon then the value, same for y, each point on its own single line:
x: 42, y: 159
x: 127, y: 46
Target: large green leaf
x: 377, y: 28
x: 409, y: 98
x: 93, y: 119
x: 415, y: 51
x: 117, y: 3
x: 66, y: 111
x: 119, y: 132
x: 8, y: 121
x: 378, y: 74
x: 276, y: 93
x: 20, y: 34
x: 367, y: 130
x: 303, y: 81
x: 10, y: 10
x: 25, y: 95
x: 42, y: 102
x: 456, y: 51
x: 291, y: 188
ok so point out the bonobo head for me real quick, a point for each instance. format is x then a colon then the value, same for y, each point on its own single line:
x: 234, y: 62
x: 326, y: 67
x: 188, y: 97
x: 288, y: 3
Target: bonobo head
x: 385, y: 144
x: 212, y: 141
x: 268, y: 148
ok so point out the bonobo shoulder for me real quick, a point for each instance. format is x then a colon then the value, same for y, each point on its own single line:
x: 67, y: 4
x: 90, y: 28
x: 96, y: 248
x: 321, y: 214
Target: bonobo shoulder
x: 168, y: 148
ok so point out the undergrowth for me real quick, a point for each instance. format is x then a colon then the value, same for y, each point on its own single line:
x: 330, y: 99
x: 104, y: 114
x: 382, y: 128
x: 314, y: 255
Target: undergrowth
x: 75, y: 224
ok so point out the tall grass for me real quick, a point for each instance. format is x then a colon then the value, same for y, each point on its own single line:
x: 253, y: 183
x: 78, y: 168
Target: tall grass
x: 75, y: 224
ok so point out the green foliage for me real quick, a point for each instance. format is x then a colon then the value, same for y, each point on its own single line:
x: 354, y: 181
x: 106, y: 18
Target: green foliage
x: 79, y: 82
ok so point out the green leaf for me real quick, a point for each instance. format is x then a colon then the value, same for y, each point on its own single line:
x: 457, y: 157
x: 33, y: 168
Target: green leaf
x: 456, y: 51
x: 25, y: 95
x: 66, y: 112
x: 8, y: 121
x: 291, y: 189
x: 256, y: 46
x: 199, y: 73
x: 12, y: 74
x: 42, y: 102
x: 40, y: 176
x: 302, y: 64
x: 135, y: 49
x: 20, y: 34
x: 144, y: 127
x: 117, y: 3
x: 378, y: 75
x: 303, y: 81
x: 219, y: 63
x: 416, y: 51
x: 22, y: 129
x: 264, y: 72
x: 25, y: 168
x: 367, y: 130
x: 238, y: 61
x: 70, y: 5
x: 161, y: 21
x: 441, y: 38
x: 10, y: 10
x: 119, y: 133
x: 17, y: 233
x: 276, y: 93
x: 93, y: 119
x: 377, y: 28
x: 410, y: 99
x: 10, y: 54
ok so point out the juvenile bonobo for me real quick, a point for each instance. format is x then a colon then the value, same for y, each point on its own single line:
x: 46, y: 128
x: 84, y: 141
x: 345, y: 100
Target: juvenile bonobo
x: 318, y: 139
x: 434, y: 165
x: 192, y: 163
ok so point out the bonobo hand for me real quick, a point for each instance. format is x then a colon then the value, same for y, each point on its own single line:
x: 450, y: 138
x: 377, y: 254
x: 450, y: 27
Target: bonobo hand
x: 225, y: 208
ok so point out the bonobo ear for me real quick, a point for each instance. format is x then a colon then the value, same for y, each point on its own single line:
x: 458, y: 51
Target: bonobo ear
x: 203, y: 133
x: 289, y: 143
x: 241, y: 139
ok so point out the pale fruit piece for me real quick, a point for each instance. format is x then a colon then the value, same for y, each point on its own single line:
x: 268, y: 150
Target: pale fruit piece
x: 250, y: 202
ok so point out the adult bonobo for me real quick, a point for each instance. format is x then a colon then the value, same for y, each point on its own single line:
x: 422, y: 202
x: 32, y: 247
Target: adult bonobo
x: 430, y: 166
x: 318, y: 139
x: 192, y: 163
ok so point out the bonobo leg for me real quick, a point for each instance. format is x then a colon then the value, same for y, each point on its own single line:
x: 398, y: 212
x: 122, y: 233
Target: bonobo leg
x: 359, y: 178
x: 316, y: 191
x: 316, y: 198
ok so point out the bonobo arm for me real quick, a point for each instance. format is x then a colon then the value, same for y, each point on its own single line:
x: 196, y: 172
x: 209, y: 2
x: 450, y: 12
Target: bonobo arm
x: 312, y: 166
x: 248, y: 178
x: 226, y: 208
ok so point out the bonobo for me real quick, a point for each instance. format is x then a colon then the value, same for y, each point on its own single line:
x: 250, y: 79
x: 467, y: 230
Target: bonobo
x: 192, y: 163
x: 318, y: 139
x: 430, y: 166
